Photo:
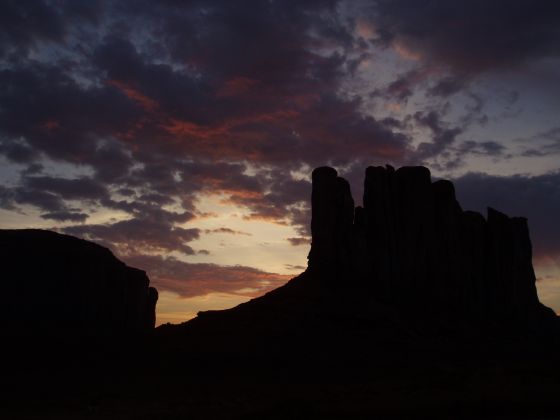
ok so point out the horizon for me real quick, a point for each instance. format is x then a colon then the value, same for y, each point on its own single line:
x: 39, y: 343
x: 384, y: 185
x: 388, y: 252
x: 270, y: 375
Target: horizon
x: 182, y: 137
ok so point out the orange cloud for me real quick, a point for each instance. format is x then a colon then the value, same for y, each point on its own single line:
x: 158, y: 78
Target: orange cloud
x: 269, y: 218
x: 394, y: 107
x: 240, y: 194
x: 187, y: 128
x: 236, y: 86
x: 365, y: 29
x: 404, y: 51
x: 51, y: 125
x: 133, y: 94
x: 190, y: 280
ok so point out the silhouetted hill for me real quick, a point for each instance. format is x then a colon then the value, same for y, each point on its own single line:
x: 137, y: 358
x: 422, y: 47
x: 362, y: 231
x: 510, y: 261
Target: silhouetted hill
x: 409, y: 308
x: 409, y: 263
x: 57, y: 283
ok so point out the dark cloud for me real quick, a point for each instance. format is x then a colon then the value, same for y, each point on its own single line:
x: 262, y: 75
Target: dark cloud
x: 534, y: 197
x: 65, y: 216
x: 162, y: 103
x: 283, y: 199
x: 68, y: 189
x: 190, y: 280
x: 25, y: 23
x: 443, y: 136
x: 139, y: 235
x: 7, y: 198
x: 447, y: 86
x: 471, y: 36
x: 456, y: 155
x: 32, y: 169
x: 45, y: 201
x: 45, y: 109
x: 52, y: 195
x: 227, y: 231
x: 298, y: 241
x: 257, y: 90
x: 295, y: 267
x: 485, y: 148
x: 17, y: 150
x: 404, y: 86
x: 543, y: 144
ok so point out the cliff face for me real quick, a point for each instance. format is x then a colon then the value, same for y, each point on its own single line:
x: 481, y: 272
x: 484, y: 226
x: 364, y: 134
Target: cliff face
x: 414, y: 248
x: 54, y: 282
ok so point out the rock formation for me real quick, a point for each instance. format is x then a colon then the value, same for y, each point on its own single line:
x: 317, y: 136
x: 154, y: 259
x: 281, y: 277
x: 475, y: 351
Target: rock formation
x: 58, y: 283
x: 413, y: 247
x: 402, y: 313
x: 410, y: 263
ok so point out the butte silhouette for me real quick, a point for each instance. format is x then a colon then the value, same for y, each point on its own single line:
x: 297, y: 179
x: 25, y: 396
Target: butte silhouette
x: 410, y: 261
x: 410, y: 308
x: 58, y: 283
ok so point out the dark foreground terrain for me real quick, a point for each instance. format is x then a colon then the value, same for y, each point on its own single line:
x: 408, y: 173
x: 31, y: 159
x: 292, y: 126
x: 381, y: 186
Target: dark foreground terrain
x: 410, y: 308
x: 322, y: 376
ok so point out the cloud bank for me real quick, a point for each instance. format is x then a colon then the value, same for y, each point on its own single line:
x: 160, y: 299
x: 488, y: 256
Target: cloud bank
x: 142, y: 109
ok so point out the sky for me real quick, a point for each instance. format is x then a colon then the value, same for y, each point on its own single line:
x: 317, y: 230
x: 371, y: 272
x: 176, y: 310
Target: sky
x: 182, y: 134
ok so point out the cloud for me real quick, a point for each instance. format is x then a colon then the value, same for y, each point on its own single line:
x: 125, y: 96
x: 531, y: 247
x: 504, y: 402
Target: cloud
x: 543, y: 144
x: 69, y: 189
x: 145, y: 233
x: 227, y: 231
x: 65, y: 216
x: 447, y: 86
x: 190, y: 279
x: 45, y: 201
x: 17, y: 150
x: 403, y: 87
x: 145, y: 108
x: 298, y: 241
x: 443, y: 137
x: 534, y: 197
x: 485, y: 148
x: 24, y: 24
x: 169, y: 109
x: 295, y: 267
x: 471, y: 37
